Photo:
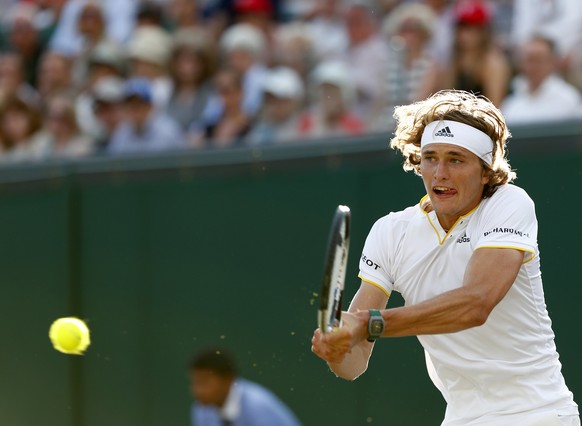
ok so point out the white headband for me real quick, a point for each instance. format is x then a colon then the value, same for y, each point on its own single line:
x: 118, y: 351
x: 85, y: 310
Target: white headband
x: 463, y: 135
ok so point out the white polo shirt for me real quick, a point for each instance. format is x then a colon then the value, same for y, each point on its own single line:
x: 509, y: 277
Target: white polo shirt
x: 505, y: 367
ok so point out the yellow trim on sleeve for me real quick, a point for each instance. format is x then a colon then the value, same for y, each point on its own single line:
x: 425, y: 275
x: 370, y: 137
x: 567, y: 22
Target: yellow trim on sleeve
x: 387, y: 293
x: 533, y: 253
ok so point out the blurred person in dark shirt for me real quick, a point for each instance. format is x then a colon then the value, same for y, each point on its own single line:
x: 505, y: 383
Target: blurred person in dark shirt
x: 478, y: 64
x: 19, y: 34
x: 224, y: 123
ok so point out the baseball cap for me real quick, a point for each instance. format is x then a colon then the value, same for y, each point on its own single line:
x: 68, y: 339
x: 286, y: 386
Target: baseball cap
x: 472, y: 12
x: 138, y: 88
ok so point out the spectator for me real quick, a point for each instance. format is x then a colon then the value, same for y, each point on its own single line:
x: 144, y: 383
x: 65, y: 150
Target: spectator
x: 412, y: 71
x: 540, y: 93
x: 244, y: 47
x: 331, y: 114
x: 108, y: 95
x: 478, y: 65
x: 573, y: 71
x: 502, y: 23
x: 192, y: 66
x: 145, y: 128
x: 183, y: 14
x: 12, y: 83
x: 278, y: 121
x: 47, y: 17
x: 20, y: 35
x: 222, y: 397
x: 119, y: 20
x: 442, y: 36
x: 367, y: 61
x: 557, y: 20
x: 106, y: 60
x: 294, y: 48
x: 224, y: 123
x: 54, y: 75
x: 19, y: 122
x: 327, y: 29
x: 60, y: 137
x: 149, y: 54
x: 258, y: 13
x: 91, y: 27
x: 149, y: 13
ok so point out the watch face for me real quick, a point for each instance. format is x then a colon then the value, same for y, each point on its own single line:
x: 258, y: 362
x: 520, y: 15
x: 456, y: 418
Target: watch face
x: 376, y: 327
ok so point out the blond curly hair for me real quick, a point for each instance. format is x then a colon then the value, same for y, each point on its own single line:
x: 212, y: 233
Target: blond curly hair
x: 463, y: 107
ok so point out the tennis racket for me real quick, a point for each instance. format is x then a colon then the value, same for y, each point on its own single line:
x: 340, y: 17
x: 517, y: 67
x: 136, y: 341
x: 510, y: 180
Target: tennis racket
x: 334, y: 272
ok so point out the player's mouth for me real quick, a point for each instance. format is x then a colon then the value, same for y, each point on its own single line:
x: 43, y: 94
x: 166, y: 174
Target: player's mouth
x: 443, y: 191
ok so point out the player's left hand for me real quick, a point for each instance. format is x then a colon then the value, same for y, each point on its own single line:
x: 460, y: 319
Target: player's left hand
x: 334, y: 346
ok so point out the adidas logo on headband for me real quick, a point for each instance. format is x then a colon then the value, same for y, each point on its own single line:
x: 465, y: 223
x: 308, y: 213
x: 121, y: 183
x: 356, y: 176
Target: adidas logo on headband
x: 465, y: 136
x: 446, y: 132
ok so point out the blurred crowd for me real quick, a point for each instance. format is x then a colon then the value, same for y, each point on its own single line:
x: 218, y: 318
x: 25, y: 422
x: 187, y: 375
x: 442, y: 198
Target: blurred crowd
x: 109, y: 77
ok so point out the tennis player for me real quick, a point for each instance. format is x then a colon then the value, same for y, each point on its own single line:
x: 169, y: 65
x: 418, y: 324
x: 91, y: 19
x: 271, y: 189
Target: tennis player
x: 466, y: 262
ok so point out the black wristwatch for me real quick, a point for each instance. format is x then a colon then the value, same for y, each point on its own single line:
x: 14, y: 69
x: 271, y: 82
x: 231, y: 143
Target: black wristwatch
x: 375, y: 325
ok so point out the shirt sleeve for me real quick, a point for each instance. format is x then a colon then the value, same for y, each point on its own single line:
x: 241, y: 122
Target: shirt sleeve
x: 509, y: 221
x: 375, y: 263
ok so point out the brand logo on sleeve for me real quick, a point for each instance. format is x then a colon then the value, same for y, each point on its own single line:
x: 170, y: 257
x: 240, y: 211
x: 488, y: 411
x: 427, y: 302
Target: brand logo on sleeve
x: 506, y: 231
x: 370, y: 262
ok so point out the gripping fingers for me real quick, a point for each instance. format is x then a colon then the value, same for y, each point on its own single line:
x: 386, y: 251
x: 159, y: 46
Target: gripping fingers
x: 330, y: 347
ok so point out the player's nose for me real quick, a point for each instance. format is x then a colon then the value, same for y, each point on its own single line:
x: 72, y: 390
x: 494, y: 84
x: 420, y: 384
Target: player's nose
x: 441, y: 171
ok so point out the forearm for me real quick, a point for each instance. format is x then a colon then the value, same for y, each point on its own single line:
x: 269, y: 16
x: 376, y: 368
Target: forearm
x: 489, y: 275
x: 449, y: 312
x: 453, y: 311
x: 354, y: 364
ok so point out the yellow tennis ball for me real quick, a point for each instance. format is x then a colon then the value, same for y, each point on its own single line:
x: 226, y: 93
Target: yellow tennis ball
x: 70, y: 335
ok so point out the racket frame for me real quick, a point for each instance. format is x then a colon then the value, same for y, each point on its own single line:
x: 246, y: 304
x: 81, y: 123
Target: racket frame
x: 334, y: 272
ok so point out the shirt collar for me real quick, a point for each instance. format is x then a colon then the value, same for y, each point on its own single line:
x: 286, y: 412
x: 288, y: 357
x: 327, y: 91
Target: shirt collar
x: 231, y: 408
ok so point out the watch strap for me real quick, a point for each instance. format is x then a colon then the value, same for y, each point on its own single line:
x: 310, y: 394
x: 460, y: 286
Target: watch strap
x: 375, y: 325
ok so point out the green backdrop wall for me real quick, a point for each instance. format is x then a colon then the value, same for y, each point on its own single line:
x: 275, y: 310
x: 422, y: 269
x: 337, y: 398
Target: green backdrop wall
x: 164, y: 256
